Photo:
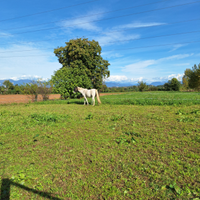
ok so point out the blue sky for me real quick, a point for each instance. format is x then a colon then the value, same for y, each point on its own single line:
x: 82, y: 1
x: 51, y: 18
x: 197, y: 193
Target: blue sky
x: 147, y: 40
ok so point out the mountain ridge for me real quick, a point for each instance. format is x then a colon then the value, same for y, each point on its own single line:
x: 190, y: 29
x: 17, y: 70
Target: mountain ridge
x: 108, y: 84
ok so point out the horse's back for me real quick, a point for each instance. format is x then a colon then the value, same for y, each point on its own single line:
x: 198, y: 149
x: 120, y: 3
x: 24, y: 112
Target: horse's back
x: 90, y: 93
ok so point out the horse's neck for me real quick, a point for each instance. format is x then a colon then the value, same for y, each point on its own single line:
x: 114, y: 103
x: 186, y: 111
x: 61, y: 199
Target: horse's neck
x: 79, y: 88
x: 82, y: 91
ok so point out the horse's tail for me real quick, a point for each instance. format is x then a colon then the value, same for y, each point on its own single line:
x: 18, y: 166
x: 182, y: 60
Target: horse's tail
x: 98, y: 99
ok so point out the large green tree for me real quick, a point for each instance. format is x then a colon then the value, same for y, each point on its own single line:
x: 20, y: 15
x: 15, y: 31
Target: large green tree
x: 67, y: 78
x: 88, y: 55
x: 193, y: 77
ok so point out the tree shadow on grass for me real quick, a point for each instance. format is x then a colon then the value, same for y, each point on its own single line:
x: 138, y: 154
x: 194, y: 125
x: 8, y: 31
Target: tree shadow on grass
x: 76, y: 102
x: 5, y: 190
x: 72, y: 101
x: 80, y: 101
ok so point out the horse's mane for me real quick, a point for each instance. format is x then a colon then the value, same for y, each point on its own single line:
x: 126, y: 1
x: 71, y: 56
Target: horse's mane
x: 80, y: 88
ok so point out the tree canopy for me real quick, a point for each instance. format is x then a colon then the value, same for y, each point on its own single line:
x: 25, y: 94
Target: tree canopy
x: 84, y: 55
x: 8, y: 84
x: 142, y: 86
x: 185, y: 82
x: 66, y: 79
x: 193, y: 77
x: 173, y: 85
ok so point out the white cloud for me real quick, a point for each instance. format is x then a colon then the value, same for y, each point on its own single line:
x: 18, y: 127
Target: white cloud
x: 177, y: 46
x: 138, y: 25
x: 16, y: 64
x: 179, y: 56
x: 81, y: 24
x: 32, y: 77
x: 5, y: 35
x: 84, y: 23
x: 111, y: 55
x: 110, y: 37
x: 123, y: 78
x: 198, y: 55
x: 177, y: 76
x: 115, y: 38
x: 136, y: 79
x: 182, y: 64
x: 140, y: 79
x: 116, y: 78
x: 138, y: 65
x: 169, y: 77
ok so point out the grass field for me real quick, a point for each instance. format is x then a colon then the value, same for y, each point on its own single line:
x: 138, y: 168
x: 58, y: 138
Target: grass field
x: 143, y: 98
x: 64, y: 150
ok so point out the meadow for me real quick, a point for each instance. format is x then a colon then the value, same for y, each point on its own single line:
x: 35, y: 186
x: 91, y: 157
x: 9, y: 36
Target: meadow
x: 143, y: 98
x: 132, y: 146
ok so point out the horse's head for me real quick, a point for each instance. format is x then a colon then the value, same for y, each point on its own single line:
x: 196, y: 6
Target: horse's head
x: 75, y: 89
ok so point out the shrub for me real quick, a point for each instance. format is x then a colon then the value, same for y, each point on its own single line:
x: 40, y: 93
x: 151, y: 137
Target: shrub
x: 142, y: 86
x: 153, y: 88
x: 172, y: 85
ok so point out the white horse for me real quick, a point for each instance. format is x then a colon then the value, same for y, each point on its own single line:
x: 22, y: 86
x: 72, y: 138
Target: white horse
x: 88, y: 93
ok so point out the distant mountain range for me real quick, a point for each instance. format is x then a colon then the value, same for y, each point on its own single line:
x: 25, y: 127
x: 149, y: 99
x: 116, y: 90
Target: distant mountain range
x: 108, y: 84
x: 127, y: 84
x: 158, y: 83
x: 19, y: 82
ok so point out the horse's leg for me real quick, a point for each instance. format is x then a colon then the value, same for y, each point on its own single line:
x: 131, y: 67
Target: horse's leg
x: 93, y: 99
x: 86, y: 100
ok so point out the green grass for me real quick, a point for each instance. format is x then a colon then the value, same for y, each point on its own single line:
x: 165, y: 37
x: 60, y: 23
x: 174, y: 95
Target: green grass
x: 55, y: 150
x: 153, y: 98
x: 141, y: 98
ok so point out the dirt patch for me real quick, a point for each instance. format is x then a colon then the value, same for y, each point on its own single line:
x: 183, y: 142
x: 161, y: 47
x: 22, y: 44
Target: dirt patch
x: 20, y: 98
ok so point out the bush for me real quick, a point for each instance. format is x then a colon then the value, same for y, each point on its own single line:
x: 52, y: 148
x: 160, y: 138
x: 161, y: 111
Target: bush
x: 175, y: 84
x: 153, y: 88
x: 172, y: 85
x: 38, y: 87
x: 142, y: 86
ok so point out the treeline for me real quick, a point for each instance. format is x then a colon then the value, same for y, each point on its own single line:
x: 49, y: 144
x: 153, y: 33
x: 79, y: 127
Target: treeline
x: 172, y: 85
x: 134, y: 88
x: 34, y: 88
x: 46, y: 87
x: 190, y: 81
x: 142, y: 86
x: 9, y: 88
